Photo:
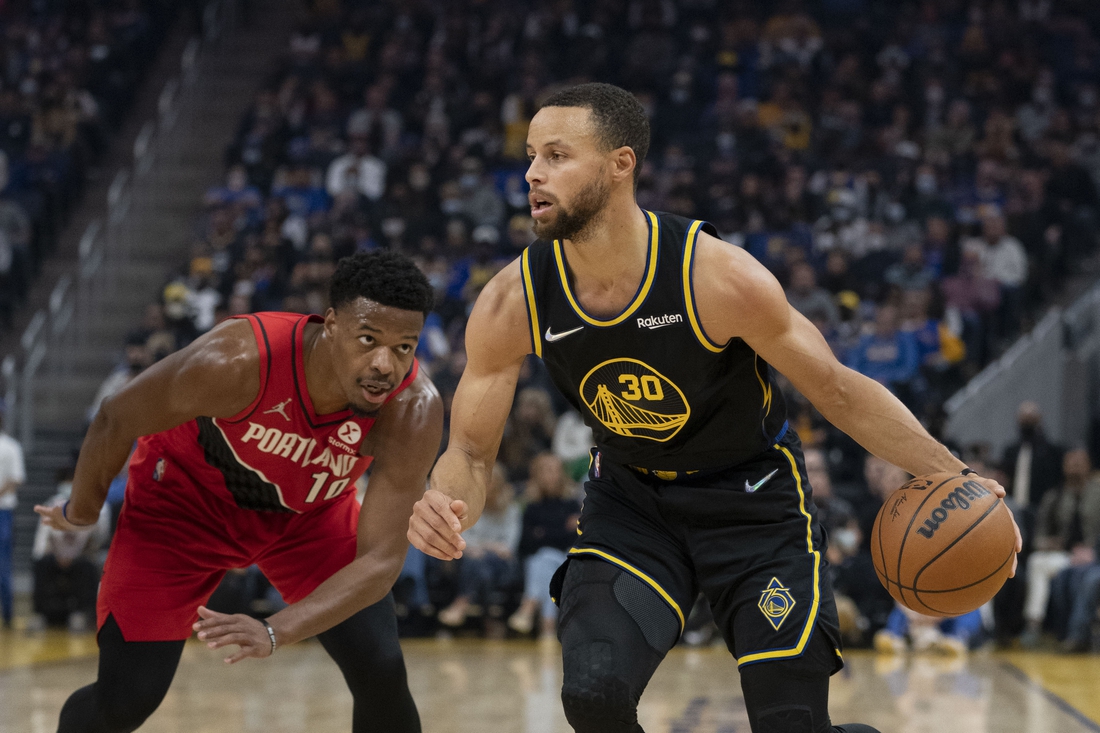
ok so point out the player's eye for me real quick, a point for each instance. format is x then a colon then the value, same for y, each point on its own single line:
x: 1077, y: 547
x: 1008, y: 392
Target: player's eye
x: 366, y: 340
x: 404, y: 349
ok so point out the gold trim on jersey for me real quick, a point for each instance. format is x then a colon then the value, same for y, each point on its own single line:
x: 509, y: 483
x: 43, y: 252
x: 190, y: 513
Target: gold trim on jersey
x: 643, y: 291
x: 532, y: 308
x: 811, y: 618
x: 689, y: 294
x: 636, y: 573
x: 765, y: 387
x: 618, y: 406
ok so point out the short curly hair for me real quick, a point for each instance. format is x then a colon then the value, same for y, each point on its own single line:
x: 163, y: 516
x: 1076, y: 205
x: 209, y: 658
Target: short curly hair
x: 619, y: 117
x: 386, y: 277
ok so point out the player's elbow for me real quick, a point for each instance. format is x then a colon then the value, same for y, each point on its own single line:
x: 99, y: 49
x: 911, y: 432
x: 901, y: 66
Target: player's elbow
x: 382, y: 569
x: 107, y: 420
x: 833, y: 394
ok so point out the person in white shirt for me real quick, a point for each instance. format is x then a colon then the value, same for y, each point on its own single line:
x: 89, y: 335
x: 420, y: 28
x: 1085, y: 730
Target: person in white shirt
x: 357, y: 170
x: 1003, y: 259
x: 66, y: 568
x: 12, y: 476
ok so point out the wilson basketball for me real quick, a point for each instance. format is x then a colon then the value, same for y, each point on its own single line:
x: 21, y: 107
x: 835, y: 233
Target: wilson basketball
x: 943, y: 544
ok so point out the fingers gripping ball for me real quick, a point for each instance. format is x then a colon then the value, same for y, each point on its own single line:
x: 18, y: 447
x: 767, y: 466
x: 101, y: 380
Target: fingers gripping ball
x: 943, y: 544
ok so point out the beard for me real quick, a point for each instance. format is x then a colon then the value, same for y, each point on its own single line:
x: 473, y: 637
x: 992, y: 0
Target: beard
x: 568, y: 223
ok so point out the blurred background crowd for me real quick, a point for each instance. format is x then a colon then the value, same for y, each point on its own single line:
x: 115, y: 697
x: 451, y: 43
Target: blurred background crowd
x: 921, y: 176
x: 68, y: 73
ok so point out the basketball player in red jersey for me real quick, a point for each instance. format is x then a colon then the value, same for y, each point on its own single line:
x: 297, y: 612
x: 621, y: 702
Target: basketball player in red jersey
x: 250, y: 441
x: 664, y: 338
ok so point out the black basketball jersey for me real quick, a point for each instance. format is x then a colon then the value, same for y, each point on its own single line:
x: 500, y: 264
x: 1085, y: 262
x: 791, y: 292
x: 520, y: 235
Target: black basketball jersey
x: 656, y: 391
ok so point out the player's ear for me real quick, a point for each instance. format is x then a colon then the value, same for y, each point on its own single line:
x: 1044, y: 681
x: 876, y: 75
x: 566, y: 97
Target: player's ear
x: 623, y: 162
x: 330, y: 321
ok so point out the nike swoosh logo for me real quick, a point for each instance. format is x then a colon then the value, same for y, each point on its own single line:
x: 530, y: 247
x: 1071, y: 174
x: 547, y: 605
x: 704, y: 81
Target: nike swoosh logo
x: 559, y: 336
x: 761, y: 482
x: 660, y: 325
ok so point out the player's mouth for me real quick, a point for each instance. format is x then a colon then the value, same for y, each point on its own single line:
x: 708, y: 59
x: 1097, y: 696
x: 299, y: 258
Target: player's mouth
x: 539, y: 206
x: 375, y: 393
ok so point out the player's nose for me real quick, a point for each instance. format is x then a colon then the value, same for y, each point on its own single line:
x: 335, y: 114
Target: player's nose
x: 382, y: 363
x: 536, y: 172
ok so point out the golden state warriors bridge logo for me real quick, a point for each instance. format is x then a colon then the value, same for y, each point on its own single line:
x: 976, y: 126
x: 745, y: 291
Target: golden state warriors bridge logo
x: 776, y: 602
x: 633, y: 399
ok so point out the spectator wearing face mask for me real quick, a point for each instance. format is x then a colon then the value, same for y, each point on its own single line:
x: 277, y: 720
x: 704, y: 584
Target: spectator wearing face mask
x: 1033, y: 463
x: 138, y: 357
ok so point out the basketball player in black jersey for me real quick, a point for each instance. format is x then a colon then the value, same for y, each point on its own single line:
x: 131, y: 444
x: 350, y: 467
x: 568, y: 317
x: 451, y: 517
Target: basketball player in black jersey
x: 664, y: 338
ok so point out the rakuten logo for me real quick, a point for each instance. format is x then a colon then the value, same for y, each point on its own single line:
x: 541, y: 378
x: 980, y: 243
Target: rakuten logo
x: 653, y: 322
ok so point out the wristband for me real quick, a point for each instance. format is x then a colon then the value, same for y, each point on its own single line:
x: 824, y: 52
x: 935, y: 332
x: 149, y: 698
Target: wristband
x: 967, y: 471
x: 270, y: 633
x: 64, y: 508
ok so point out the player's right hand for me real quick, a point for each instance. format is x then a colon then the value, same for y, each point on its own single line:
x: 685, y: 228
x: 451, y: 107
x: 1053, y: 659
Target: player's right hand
x: 54, y: 518
x: 436, y: 524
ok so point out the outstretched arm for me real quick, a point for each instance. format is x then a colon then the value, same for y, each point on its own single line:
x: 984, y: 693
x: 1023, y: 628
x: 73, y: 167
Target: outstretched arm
x: 217, y: 375
x: 739, y: 298
x: 497, y: 340
x: 404, y: 441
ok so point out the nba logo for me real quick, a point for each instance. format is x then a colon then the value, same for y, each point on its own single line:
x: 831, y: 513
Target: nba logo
x: 158, y: 470
x: 596, y: 465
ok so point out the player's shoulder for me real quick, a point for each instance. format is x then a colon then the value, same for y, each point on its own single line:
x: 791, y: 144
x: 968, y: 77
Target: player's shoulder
x: 499, y: 324
x: 229, y: 348
x: 736, y: 272
x: 412, y: 419
x: 420, y: 389
x: 728, y: 282
x: 505, y: 289
x: 419, y: 400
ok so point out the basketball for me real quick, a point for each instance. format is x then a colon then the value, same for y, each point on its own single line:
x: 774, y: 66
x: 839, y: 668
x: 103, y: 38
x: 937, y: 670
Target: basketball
x: 943, y: 544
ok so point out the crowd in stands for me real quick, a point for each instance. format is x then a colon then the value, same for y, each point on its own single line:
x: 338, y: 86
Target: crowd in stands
x: 921, y: 176
x: 68, y: 73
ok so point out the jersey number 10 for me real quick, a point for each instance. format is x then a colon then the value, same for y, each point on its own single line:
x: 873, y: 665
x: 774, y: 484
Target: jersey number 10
x: 335, y: 488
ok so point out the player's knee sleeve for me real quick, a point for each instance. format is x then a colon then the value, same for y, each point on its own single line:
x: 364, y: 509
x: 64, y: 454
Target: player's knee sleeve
x: 792, y: 695
x: 120, y: 716
x: 366, y: 649
x: 614, y: 632
x: 133, y: 679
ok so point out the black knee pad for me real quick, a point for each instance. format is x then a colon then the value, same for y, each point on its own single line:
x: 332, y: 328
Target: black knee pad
x: 613, y: 590
x: 785, y: 719
x: 594, y: 695
x: 614, y: 632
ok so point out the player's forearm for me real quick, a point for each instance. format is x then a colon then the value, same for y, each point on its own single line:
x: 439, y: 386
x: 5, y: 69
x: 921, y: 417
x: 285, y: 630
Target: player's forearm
x: 361, y: 583
x: 8, y: 487
x: 103, y: 454
x: 463, y: 474
x: 878, y: 421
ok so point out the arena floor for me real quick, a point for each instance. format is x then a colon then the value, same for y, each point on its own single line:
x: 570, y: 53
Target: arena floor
x: 470, y: 686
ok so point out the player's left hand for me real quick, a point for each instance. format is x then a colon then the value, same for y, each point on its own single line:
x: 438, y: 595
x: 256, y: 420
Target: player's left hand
x: 223, y: 629
x: 53, y: 516
x: 999, y: 490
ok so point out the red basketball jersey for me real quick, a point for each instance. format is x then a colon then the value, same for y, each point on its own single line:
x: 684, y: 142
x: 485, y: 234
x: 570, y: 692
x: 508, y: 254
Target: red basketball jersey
x: 278, y: 454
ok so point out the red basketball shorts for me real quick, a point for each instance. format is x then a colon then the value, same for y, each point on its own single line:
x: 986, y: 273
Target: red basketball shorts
x: 175, y: 541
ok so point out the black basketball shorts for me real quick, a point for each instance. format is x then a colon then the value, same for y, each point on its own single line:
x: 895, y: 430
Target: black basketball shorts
x: 746, y: 536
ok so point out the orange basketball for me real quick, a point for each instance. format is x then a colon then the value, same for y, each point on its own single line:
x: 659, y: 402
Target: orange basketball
x: 943, y: 544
